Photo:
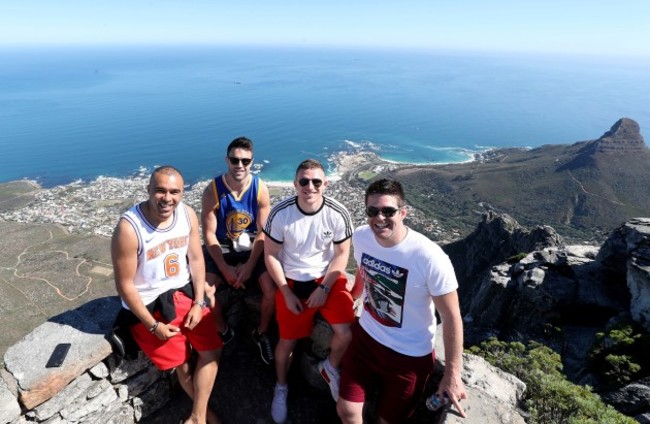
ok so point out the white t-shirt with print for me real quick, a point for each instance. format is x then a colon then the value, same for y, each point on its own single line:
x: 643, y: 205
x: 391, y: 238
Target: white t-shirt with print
x: 398, y: 283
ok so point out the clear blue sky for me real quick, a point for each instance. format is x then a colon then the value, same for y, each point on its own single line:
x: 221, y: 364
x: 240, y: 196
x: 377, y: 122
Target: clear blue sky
x: 568, y: 26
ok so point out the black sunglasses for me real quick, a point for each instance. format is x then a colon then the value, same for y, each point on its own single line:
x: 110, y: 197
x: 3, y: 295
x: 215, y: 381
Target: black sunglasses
x: 235, y: 161
x: 317, y: 182
x: 387, y: 211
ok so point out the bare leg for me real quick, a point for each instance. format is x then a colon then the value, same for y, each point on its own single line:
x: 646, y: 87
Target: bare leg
x: 213, y: 282
x: 339, y: 343
x: 283, y: 356
x: 268, y: 302
x: 198, y: 386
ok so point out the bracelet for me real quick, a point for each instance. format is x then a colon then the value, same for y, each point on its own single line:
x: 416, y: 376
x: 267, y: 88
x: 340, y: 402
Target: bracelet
x: 325, y: 288
x: 152, y: 329
x: 202, y: 303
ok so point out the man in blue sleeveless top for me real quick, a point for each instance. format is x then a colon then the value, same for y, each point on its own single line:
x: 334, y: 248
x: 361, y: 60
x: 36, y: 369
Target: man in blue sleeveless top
x: 235, y: 206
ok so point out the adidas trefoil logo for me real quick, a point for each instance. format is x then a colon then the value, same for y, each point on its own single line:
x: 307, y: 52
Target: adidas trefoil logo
x: 397, y: 273
x: 327, y: 233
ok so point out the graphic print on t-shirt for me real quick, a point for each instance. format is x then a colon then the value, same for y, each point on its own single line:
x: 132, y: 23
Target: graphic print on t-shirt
x: 237, y: 221
x: 385, y: 286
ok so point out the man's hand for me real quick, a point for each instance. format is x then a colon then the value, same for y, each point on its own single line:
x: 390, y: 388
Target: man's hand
x: 317, y: 298
x: 244, y: 272
x: 293, y: 303
x: 455, y: 390
x: 229, y: 274
x: 166, y: 331
x: 193, y: 317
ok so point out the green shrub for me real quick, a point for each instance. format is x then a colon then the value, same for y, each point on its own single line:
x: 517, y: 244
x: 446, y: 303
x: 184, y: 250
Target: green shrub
x: 620, y: 355
x: 516, y: 258
x: 549, y: 397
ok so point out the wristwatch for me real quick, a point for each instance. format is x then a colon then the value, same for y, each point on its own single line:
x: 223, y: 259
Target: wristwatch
x: 202, y: 303
x: 325, y: 288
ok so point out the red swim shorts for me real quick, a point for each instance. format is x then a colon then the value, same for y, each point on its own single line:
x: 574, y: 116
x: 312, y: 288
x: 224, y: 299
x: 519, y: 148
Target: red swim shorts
x: 168, y: 354
x: 337, y: 309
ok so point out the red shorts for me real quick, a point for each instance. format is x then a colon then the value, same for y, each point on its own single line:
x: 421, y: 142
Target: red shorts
x: 337, y: 309
x: 367, y: 363
x: 168, y: 354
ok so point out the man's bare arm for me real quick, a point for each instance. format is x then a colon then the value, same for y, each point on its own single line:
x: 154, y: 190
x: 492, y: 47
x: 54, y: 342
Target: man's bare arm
x: 197, y: 269
x: 209, y: 226
x: 335, y: 270
x: 124, y: 253
x: 263, y: 209
x: 357, y: 289
x: 274, y: 268
x: 452, y: 328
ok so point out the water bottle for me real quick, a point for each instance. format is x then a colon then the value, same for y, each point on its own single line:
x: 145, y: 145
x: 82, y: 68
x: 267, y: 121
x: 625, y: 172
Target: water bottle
x: 434, y: 402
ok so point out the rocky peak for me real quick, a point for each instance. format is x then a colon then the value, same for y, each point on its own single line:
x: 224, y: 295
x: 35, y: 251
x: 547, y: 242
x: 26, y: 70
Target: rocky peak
x: 624, y: 136
x: 496, y: 238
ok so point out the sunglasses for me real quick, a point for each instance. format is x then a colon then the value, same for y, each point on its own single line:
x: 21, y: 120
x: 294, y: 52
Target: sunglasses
x: 235, y: 161
x: 387, y: 211
x: 317, y: 182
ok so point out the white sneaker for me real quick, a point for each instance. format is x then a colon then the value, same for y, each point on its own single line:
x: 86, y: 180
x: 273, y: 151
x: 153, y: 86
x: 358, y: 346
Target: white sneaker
x: 279, y: 404
x: 331, y: 377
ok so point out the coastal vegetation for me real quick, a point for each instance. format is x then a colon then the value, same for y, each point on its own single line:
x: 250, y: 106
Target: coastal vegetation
x: 549, y: 397
x: 620, y: 355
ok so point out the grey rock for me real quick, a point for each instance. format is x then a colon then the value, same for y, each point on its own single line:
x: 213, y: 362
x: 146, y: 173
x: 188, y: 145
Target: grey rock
x: 629, y: 239
x: 82, y: 328
x: 82, y: 408
x: 99, y: 371
x: 154, y: 398
x: 122, y: 370
x: 638, y: 281
x: 626, y: 253
x: 482, y: 409
x: 493, y: 395
x: 643, y: 418
x: 57, y: 420
x: 115, y: 413
x: 9, y: 407
x: 142, y: 381
x: 496, y: 238
x: 632, y: 399
x: 70, y: 394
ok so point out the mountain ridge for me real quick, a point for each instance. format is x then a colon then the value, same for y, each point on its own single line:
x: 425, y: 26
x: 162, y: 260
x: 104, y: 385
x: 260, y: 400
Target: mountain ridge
x: 583, y: 189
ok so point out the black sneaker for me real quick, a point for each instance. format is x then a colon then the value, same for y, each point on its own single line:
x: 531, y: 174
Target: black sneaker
x: 263, y: 342
x: 228, y: 335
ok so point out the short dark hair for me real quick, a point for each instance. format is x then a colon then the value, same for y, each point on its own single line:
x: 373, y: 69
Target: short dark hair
x: 166, y: 170
x: 309, y: 164
x: 389, y: 187
x: 240, y: 143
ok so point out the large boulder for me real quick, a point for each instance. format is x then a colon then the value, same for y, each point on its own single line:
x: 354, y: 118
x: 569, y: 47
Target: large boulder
x: 487, y: 386
x: 548, y: 289
x: 554, y: 285
x: 633, y: 399
x: 496, y: 238
x: 626, y: 254
x: 84, y: 328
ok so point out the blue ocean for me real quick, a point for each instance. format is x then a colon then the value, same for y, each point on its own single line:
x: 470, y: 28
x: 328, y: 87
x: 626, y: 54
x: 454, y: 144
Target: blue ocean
x: 70, y: 113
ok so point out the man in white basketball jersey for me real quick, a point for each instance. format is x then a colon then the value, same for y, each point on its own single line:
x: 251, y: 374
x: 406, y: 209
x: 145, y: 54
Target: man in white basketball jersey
x: 160, y: 276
